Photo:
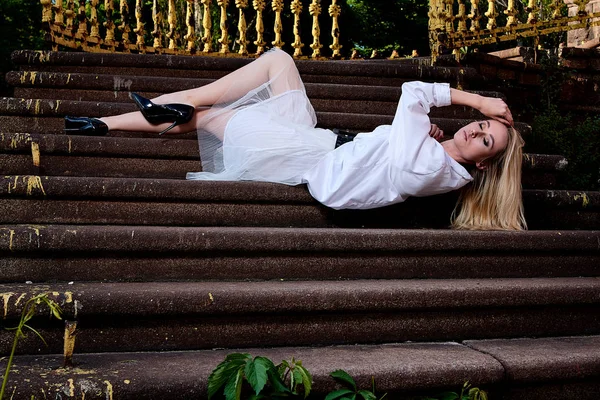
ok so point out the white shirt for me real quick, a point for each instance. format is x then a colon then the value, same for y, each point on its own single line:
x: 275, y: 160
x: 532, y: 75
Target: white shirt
x: 393, y: 162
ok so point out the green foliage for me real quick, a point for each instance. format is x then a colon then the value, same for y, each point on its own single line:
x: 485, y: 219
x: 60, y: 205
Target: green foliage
x: 555, y: 132
x: 29, y: 311
x: 265, y: 380
x: 350, y: 391
x: 467, y: 393
x: 386, y: 25
x: 20, y: 28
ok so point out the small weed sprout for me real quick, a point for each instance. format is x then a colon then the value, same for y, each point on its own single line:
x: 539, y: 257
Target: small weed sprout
x: 28, y: 313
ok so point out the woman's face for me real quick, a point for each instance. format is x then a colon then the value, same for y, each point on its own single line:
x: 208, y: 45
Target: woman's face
x: 481, y: 140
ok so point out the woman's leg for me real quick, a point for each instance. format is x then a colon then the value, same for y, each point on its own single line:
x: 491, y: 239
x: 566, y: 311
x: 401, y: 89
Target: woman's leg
x: 228, y: 88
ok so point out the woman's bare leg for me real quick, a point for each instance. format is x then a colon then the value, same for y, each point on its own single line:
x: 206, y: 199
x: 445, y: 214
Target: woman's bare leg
x: 228, y: 88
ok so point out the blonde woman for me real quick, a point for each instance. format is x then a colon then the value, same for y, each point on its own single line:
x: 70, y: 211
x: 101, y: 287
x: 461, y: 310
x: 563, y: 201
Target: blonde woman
x: 258, y: 124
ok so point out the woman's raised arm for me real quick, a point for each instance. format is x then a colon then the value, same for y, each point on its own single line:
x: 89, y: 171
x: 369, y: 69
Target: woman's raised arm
x: 489, y: 106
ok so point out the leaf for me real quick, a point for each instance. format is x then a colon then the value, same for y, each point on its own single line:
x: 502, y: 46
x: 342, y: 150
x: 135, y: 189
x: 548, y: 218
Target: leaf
x: 237, y: 356
x: 449, y: 396
x: 336, y: 394
x: 256, y: 373
x: 223, y: 372
x: 306, y: 379
x: 343, y: 377
x: 36, y: 332
x: 367, y: 395
x: 298, y: 378
x: 276, y: 381
x: 233, y: 388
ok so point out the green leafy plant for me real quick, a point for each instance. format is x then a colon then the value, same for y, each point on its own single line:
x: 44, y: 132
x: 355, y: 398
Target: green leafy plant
x: 229, y: 376
x: 350, y: 391
x: 467, y: 393
x: 29, y: 311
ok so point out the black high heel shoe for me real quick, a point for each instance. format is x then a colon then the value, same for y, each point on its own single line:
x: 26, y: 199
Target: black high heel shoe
x: 156, y: 114
x: 85, y: 126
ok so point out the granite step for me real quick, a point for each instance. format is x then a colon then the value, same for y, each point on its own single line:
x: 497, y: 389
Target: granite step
x: 353, y: 72
x: 136, y: 83
x: 534, y: 369
x: 324, y: 97
x: 329, y: 111
x: 114, y: 201
x: 182, y: 315
x: 132, y: 157
x: 394, y: 367
x: 45, y: 116
x: 46, y: 253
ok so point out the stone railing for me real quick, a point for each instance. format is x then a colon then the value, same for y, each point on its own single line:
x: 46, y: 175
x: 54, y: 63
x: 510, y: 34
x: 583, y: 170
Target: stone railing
x: 455, y: 24
x: 75, y: 24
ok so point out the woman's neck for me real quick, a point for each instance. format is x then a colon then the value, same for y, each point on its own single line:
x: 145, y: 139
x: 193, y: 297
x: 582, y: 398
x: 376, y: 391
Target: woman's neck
x: 450, y: 148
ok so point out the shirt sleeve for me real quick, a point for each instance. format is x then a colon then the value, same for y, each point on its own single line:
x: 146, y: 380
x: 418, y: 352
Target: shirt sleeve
x: 410, y: 146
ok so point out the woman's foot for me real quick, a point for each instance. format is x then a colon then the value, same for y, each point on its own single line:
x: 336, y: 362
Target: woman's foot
x: 156, y: 114
x: 85, y: 126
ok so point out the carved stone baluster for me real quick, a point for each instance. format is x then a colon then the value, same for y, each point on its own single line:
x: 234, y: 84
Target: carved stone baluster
x: 315, y: 10
x: 124, y: 27
x: 190, y: 36
x: 207, y: 25
x: 556, y: 7
x: 94, y: 31
x: 109, y: 24
x: 296, y: 8
x: 46, y: 10
x: 82, y: 31
x: 474, y: 16
x: 511, y: 12
x: 259, y: 6
x: 242, y: 27
x: 462, y: 16
x: 70, y: 14
x: 139, y: 29
x: 277, y: 6
x: 532, y: 10
x: 58, y: 13
x: 449, y: 16
x: 491, y: 14
x: 157, y: 20
x: 224, y: 40
x: 334, y: 12
x: 173, y: 35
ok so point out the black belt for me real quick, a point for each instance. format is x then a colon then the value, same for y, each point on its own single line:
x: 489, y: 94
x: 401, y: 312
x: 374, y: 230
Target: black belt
x: 343, y: 137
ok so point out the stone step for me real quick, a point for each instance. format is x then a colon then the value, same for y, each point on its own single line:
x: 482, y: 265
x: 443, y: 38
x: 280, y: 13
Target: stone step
x: 74, y: 200
x: 135, y: 83
x: 153, y: 158
x: 137, y: 253
x: 360, y: 114
x: 362, y: 72
x: 45, y: 116
x: 545, y: 368
x: 181, y: 316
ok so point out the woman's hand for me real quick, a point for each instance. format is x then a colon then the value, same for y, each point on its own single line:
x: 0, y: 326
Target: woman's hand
x: 497, y: 109
x: 436, y: 133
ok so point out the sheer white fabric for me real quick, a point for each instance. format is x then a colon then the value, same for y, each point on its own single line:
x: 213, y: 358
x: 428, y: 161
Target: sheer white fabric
x: 265, y: 134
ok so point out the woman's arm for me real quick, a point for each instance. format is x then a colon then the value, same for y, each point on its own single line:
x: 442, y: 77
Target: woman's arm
x: 490, y: 106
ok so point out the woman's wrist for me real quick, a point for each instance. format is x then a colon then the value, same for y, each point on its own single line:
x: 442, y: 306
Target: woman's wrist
x: 458, y: 97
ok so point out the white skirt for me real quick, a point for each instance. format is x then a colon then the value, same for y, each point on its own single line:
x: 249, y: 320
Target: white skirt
x: 268, y: 134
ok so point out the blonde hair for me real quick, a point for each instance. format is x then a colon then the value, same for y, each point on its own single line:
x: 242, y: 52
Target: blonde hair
x: 493, y: 201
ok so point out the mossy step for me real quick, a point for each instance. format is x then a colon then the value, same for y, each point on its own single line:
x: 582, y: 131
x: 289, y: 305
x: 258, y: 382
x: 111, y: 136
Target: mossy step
x: 114, y: 201
x: 45, y: 116
x: 349, y: 71
x: 182, y: 315
x: 43, y: 253
x: 546, y: 368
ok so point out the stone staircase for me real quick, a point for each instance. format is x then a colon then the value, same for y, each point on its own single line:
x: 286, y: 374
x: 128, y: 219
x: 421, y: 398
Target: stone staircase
x: 164, y: 277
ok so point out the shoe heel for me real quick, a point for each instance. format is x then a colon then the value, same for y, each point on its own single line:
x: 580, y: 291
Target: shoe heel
x: 173, y: 125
